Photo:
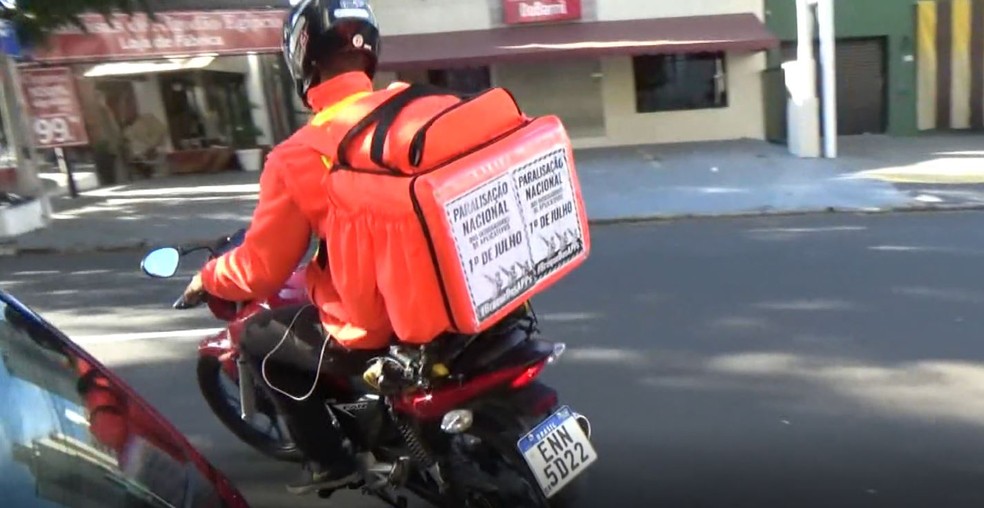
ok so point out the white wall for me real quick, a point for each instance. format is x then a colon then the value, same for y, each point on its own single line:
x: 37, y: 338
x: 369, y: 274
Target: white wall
x: 635, y: 9
x: 743, y: 118
x: 568, y: 88
x: 397, y: 17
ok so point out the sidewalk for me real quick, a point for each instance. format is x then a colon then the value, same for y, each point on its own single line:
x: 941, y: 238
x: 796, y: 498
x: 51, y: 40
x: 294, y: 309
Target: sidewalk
x: 873, y: 173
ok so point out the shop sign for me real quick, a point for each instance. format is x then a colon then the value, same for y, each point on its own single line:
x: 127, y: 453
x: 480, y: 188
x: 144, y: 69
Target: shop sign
x: 539, y: 11
x: 53, y: 107
x: 172, y: 33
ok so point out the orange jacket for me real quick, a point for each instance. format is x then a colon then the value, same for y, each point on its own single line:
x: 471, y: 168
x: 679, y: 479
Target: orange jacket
x: 293, y: 205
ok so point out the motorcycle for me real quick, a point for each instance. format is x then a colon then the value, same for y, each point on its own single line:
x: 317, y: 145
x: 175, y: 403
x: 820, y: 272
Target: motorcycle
x: 461, y: 422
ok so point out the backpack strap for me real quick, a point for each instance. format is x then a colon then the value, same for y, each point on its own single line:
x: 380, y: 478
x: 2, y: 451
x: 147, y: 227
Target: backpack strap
x: 329, y: 114
x: 384, y: 116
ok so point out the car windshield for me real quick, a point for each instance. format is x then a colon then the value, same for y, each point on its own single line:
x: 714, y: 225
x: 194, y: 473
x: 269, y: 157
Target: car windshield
x: 69, y: 437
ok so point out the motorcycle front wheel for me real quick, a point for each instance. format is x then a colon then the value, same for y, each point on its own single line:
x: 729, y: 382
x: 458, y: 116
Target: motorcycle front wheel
x: 273, y: 440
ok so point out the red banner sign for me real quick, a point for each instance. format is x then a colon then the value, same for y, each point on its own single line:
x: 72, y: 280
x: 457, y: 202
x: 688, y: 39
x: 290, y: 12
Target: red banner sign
x: 53, y: 107
x: 539, y: 11
x: 173, y: 33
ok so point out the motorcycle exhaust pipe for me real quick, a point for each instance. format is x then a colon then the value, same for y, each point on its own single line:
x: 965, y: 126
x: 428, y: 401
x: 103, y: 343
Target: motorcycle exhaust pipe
x: 247, y: 393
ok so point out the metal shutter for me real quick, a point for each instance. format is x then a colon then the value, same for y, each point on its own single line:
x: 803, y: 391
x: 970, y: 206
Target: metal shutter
x: 861, y: 86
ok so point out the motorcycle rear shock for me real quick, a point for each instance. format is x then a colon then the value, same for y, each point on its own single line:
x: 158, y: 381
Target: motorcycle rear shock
x: 419, y: 452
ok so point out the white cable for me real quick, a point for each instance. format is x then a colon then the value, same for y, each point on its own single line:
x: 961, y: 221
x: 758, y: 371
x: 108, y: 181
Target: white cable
x: 317, y: 372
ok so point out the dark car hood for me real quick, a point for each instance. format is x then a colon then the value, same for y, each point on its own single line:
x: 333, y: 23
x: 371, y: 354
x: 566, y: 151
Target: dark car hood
x: 73, y: 434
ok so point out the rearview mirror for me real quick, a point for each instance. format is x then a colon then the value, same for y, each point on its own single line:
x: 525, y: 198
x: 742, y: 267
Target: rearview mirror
x: 161, y: 263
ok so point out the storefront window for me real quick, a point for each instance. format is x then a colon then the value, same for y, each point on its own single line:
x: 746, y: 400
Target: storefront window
x: 185, y: 111
x: 680, y: 82
x: 465, y: 79
x: 208, y: 108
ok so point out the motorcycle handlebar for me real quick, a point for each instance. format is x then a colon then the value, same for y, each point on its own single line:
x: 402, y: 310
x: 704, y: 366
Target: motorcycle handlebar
x: 183, y: 304
x: 216, y: 247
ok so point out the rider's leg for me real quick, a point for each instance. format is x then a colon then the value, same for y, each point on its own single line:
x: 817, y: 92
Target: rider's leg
x: 295, y: 337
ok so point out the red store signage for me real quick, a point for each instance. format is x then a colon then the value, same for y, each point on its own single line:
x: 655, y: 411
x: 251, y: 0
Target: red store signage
x: 538, y: 11
x: 173, y: 33
x: 53, y: 107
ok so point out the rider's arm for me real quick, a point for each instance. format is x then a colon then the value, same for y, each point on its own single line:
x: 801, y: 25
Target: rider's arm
x: 275, y: 243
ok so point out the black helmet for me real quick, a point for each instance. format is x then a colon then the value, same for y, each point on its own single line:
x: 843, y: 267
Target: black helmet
x: 315, y: 29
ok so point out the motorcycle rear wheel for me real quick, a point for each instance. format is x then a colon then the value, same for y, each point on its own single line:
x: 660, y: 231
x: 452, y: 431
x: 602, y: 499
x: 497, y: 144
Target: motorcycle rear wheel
x: 500, y: 435
x: 210, y: 375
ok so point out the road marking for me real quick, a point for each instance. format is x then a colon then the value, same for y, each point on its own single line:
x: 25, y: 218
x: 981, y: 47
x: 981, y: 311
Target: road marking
x: 114, y: 338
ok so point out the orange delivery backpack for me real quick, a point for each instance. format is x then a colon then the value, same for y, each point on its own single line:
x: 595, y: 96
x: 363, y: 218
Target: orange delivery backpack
x: 495, y: 191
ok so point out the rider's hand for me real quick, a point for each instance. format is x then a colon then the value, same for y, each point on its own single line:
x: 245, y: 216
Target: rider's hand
x: 195, y: 291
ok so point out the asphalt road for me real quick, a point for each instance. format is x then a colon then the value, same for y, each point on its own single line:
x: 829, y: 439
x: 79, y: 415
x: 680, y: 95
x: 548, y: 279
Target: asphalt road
x: 832, y: 360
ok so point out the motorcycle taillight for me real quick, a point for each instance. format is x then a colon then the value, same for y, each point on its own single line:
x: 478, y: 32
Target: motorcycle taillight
x: 528, y: 375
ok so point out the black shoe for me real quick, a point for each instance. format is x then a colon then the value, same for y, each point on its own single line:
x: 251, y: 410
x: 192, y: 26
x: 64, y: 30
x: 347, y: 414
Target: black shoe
x: 317, y: 477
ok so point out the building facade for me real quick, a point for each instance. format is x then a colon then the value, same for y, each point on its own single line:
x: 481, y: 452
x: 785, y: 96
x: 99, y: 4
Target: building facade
x: 205, y: 82
x: 875, y: 51
x: 950, y: 64
x: 618, y: 72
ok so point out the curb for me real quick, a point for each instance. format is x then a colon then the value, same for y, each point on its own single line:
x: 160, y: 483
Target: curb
x: 12, y: 250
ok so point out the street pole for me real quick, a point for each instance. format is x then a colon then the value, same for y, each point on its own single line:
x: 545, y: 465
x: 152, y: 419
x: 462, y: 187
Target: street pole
x: 66, y: 169
x: 803, y: 107
x: 18, y: 134
x: 828, y: 62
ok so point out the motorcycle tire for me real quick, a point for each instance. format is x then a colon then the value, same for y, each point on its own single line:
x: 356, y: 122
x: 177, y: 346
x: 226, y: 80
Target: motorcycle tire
x: 209, y: 382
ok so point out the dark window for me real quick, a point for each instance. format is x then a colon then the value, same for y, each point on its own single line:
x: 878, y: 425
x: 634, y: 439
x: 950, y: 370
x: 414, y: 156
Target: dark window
x: 467, y: 80
x: 680, y: 82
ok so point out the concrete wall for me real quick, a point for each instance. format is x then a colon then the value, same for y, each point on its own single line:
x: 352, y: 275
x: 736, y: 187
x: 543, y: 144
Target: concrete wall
x: 570, y: 89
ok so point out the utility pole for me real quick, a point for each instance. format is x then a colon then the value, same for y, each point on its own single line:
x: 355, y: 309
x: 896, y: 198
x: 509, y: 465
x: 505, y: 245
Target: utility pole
x: 803, y: 106
x: 828, y: 65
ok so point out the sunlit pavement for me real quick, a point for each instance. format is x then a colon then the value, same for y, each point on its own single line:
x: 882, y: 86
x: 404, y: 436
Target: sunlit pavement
x: 822, y: 361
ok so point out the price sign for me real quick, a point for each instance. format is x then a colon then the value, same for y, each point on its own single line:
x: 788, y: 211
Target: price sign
x: 53, y: 106
x: 53, y: 131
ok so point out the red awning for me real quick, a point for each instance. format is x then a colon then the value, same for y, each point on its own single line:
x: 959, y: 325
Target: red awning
x: 728, y: 32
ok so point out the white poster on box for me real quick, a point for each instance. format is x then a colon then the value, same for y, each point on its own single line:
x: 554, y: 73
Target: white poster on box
x: 546, y: 196
x: 515, y: 230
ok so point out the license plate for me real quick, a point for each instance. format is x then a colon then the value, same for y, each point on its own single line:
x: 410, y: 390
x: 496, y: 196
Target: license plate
x: 557, y: 451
